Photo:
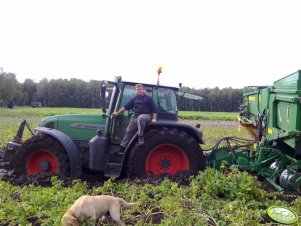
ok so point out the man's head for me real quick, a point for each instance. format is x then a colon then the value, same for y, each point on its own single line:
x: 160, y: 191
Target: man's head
x: 139, y: 89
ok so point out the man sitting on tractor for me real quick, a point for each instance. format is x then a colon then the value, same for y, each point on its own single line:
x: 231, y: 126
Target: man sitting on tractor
x: 144, y: 110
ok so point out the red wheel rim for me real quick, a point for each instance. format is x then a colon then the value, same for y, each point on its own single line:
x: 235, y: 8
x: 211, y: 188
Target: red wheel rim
x: 41, y: 161
x: 166, y: 158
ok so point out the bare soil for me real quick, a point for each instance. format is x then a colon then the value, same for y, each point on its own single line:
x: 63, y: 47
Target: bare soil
x: 7, y: 174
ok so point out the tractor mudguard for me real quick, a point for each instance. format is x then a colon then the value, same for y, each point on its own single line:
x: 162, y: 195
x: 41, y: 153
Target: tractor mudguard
x: 198, y: 135
x: 70, y: 147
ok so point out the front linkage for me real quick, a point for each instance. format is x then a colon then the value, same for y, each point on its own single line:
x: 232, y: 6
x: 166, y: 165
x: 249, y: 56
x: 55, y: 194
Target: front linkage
x: 13, y: 146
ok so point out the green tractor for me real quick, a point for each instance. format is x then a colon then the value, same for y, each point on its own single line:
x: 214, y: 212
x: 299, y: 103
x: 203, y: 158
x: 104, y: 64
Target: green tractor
x: 71, y: 145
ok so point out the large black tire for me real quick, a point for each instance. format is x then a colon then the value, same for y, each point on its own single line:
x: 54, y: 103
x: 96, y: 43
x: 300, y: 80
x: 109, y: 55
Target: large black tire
x: 41, y: 154
x: 166, y: 151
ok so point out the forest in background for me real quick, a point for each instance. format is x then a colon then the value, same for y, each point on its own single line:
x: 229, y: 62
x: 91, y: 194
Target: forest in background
x: 78, y: 93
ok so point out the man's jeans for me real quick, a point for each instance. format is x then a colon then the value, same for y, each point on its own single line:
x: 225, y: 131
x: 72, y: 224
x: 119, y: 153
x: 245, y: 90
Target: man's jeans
x: 135, y: 123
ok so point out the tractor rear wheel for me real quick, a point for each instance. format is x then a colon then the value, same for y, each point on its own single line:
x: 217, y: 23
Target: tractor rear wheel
x: 166, y: 151
x: 39, y: 155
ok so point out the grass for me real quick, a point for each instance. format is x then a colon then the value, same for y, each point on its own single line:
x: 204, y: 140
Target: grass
x: 223, y: 116
x: 23, y: 112
x: 10, y: 120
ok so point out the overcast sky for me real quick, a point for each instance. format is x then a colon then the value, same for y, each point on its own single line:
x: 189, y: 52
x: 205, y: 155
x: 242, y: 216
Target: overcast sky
x: 211, y: 43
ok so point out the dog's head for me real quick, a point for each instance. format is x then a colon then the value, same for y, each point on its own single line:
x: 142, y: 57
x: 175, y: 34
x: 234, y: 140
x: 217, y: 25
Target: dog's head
x: 69, y: 220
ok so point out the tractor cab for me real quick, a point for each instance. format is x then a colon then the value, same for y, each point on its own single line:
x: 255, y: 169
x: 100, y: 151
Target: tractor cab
x: 165, y: 99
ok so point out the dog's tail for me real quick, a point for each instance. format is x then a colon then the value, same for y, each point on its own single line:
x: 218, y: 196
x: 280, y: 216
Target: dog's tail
x: 124, y: 203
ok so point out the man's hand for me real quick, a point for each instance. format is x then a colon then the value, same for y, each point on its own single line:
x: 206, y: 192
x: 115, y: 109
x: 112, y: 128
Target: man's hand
x: 114, y: 114
x: 154, y: 118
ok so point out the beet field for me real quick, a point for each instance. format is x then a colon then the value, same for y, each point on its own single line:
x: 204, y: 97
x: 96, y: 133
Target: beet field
x: 226, y: 197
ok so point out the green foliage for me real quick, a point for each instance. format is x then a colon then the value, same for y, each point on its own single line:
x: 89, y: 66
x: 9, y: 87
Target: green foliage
x: 8, y: 88
x: 21, y: 205
x: 214, y: 100
x: 231, y: 197
x: 29, y: 88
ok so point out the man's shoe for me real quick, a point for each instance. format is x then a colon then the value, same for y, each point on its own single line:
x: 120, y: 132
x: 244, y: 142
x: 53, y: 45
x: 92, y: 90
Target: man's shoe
x: 119, y: 149
x: 141, y: 141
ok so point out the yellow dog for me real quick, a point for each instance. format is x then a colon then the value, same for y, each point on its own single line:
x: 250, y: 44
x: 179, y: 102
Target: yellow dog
x: 94, y: 207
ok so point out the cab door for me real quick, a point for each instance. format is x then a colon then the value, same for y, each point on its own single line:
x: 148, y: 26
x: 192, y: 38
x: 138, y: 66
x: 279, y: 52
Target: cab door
x: 120, y: 123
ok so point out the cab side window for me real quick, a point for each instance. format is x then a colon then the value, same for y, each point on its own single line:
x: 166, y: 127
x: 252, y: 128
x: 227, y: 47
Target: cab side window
x: 167, y: 100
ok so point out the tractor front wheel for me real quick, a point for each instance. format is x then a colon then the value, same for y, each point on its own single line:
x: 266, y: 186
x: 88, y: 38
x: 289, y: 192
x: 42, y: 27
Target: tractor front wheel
x: 166, y: 151
x: 39, y: 155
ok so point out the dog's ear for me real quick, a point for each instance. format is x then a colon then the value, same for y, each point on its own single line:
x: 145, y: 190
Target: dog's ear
x: 69, y: 221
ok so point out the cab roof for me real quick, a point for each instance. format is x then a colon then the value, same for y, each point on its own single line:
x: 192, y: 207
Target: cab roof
x: 119, y: 80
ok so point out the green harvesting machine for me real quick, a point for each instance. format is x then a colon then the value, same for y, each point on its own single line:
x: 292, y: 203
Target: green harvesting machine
x: 273, y: 116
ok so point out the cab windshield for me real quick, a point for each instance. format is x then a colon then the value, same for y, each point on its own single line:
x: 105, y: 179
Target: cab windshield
x: 166, y: 101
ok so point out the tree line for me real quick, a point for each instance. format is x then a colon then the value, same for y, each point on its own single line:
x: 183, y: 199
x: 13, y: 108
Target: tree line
x: 214, y: 100
x: 78, y: 93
